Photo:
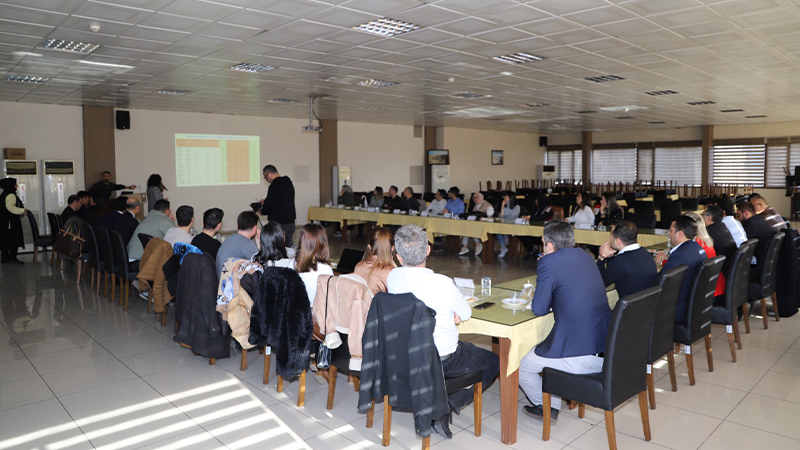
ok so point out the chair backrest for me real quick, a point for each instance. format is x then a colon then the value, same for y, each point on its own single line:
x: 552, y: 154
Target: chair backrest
x: 91, y: 246
x: 34, y: 228
x: 121, y: 266
x: 52, y: 220
x: 662, y: 329
x: 769, y: 272
x: 630, y: 198
x: 660, y: 193
x: 642, y: 220
x: 701, y: 297
x: 738, y: 276
x: 626, y: 347
x: 106, y: 250
x: 144, y: 239
x: 689, y: 203
x: 670, y: 210
x: 644, y: 207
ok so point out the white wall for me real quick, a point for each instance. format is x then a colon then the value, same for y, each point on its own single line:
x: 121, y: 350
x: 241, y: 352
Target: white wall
x: 45, y: 132
x: 149, y: 147
x: 470, y: 156
x: 380, y: 155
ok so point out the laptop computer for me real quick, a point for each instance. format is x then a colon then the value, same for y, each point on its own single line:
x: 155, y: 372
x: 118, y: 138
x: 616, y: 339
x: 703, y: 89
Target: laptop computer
x: 347, y: 262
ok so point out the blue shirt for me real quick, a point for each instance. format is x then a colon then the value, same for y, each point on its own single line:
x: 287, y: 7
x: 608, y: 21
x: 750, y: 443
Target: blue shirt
x: 455, y: 206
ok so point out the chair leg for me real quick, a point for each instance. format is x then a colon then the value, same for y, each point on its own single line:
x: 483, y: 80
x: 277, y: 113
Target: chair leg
x: 774, y: 307
x: 212, y: 361
x: 645, y: 415
x: 35, y: 252
x: 581, y: 410
x: 736, y: 333
x: 426, y: 443
x: 673, y: 378
x: 709, y: 355
x: 261, y: 350
x: 91, y: 286
x: 149, y: 299
x: 97, y: 288
x: 764, y: 313
x: 387, y: 422
x: 651, y: 387
x: 280, y: 384
x: 267, y: 361
x: 731, y: 339
x: 79, y: 267
x: 477, y: 401
x: 301, y: 396
x: 243, y: 364
x: 331, y: 386
x: 546, y: 418
x: 127, y: 294
x: 689, y: 363
x: 746, y: 308
x: 610, y: 431
x: 356, y: 383
x: 113, y: 288
x: 371, y: 414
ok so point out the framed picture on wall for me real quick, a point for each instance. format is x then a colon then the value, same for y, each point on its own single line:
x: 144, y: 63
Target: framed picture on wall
x: 497, y: 157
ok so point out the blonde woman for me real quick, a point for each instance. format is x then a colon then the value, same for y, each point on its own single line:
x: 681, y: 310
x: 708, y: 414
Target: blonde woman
x: 705, y: 241
x: 378, y: 260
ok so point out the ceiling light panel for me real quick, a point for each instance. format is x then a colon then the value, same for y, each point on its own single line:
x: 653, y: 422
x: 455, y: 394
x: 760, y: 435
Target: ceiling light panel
x: 603, y: 78
x: 466, y: 95
x: 518, y: 58
x: 702, y: 102
x: 386, y: 27
x: 251, y: 67
x: 755, y: 117
x: 533, y: 105
x: 172, y: 92
x: 732, y: 110
x: 376, y: 83
x: 25, y: 79
x: 67, y: 46
x: 587, y: 111
x: 283, y: 100
x: 657, y: 93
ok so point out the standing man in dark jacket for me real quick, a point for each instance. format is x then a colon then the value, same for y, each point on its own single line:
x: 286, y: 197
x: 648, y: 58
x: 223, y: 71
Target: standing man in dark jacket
x: 756, y: 228
x: 624, y: 263
x: 279, y: 204
x: 102, y: 190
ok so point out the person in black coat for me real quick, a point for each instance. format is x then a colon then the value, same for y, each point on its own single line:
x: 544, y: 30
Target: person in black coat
x: 126, y: 224
x: 393, y: 201
x: 624, y: 263
x: 756, y: 228
x: 279, y: 204
x: 724, y: 245
x: 685, y: 251
x: 408, y: 202
x: 73, y: 205
x: 11, y: 211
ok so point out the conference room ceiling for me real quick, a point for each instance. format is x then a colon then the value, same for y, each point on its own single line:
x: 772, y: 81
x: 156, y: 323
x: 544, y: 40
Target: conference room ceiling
x: 736, y: 60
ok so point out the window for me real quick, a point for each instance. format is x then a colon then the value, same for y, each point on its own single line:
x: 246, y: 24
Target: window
x: 567, y: 160
x: 783, y: 155
x: 739, y: 162
x: 644, y: 164
x: 612, y: 165
x: 679, y: 162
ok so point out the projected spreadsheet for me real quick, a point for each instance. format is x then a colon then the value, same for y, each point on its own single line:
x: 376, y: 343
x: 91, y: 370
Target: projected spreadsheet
x: 209, y: 160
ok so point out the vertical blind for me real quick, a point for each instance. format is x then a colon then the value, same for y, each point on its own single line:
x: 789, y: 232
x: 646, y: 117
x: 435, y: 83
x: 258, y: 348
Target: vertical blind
x: 681, y: 164
x: 613, y: 165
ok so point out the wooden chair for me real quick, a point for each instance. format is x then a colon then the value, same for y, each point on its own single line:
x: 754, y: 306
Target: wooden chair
x: 662, y: 328
x: 725, y: 309
x: 765, y: 287
x: 124, y: 269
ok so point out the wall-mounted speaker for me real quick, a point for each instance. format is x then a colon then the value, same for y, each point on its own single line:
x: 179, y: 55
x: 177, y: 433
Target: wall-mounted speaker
x: 123, y: 120
x: 542, y: 141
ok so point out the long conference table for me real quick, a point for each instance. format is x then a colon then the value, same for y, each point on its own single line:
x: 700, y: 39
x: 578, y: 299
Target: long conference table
x: 485, y: 231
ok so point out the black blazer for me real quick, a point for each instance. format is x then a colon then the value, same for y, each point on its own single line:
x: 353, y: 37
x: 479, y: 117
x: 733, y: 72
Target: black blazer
x: 724, y: 245
x: 757, y: 228
x: 126, y: 225
x: 630, y: 272
x: 689, y: 254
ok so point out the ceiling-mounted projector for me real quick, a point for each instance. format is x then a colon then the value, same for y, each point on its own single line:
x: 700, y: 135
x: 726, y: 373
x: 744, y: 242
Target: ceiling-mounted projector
x: 311, y: 126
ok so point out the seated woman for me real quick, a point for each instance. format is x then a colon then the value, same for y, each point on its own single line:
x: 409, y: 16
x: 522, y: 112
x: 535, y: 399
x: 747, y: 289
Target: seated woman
x: 583, y: 214
x: 509, y: 212
x: 610, y: 211
x: 705, y: 241
x: 313, y: 257
x: 378, y: 260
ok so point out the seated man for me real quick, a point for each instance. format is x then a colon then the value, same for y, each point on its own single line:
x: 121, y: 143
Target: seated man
x: 569, y: 284
x: 481, y: 206
x: 73, y: 205
x: 685, y: 251
x: 724, y: 245
x: 756, y: 228
x: 438, y: 204
x: 156, y: 224
x: 241, y: 245
x: 543, y: 212
x: 127, y: 222
x: 393, y: 201
x: 205, y: 241
x: 408, y: 202
x: 729, y: 220
x: 454, y: 203
x: 768, y: 213
x: 89, y: 210
x: 624, y: 263
x: 439, y: 293
x: 185, y: 218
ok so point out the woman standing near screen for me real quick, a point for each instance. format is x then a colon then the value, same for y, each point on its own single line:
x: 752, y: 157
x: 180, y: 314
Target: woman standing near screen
x: 155, y: 190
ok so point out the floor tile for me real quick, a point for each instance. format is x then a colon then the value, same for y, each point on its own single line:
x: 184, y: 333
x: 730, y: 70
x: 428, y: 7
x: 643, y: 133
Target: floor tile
x: 730, y: 435
x: 23, y: 392
x: 53, y: 343
x: 726, y: 374
x: 71, y: 358
x: 136, y: 345
x: 671, y: 427
x: 768, y: 414
x: 162, y: 360
x: 15, y: 370
x: 758, y: 338
x: 779, y: 385
x: 704, y: 398
x: 87, y: 377
x: 39, y: 426
x: 277, y: 424
x: 789, y: 363
x: 194, y: 440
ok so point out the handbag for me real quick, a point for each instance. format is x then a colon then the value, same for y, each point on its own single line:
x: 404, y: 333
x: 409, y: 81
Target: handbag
x: 324, y: 352
x: 69, y: 242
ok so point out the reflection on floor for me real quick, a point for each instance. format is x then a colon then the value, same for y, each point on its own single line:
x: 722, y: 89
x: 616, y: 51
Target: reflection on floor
x: 77, y: 372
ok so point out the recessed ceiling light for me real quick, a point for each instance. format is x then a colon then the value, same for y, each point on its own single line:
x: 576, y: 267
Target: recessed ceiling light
x: 26, y: 54
x: 622, y: 108
x: 731, y: 110
x: 506, y: 74
x: 376, y: 83
x: 667, y: 92
x: 625, y: 117
x: 603, y: 78
x: 95, y: 63
x: 251, y: 67
x: 25, y: 79
x: 586, y: 111
x: 755, y: 117
x: 283, y: 100
x: 172, y: 92
x: 656, y: 122
x: 466, y: 95
x: 533, y: 105
x: 372, y: 108
x: 703, y: 102
x: 518, y: 58
x: 386, y: 27
x: 67, y: 46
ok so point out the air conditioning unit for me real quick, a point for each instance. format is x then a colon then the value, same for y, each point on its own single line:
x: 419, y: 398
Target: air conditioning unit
x: 546, y: 172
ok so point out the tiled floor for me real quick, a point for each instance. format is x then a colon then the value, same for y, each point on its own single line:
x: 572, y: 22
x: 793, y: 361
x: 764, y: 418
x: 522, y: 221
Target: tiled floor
x: 77, y: 372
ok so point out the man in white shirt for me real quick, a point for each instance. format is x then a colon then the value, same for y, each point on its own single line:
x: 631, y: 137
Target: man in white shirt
x: 438, y: 204
x: 734, y: 226
x: 185, y: 218
x: 481, y: 206
x: 439, y: 293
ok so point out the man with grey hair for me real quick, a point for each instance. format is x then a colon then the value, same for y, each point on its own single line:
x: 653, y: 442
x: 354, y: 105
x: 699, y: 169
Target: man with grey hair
x: 568, y: 283
x: 439, y: 293
x: 127, y: 223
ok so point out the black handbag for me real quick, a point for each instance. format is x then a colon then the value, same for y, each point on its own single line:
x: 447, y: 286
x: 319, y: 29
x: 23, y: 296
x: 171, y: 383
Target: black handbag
x: 324, y: 352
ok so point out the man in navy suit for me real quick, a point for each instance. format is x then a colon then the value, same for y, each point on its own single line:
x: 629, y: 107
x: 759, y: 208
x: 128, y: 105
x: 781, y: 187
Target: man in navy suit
x: 569, y: 284
x: 756, y: 228
x: 127, y: 222
x: 624, y: 263
x: 685, y: 252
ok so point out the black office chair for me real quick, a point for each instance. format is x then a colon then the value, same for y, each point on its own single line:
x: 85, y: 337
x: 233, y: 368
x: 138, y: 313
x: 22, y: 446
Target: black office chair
x: 41, y: 240
x: 725, y: 309
x: 765, y: 287
x: 92, y: 247
x: 698, y: 312
x: 55, y: 227
x: 642, y: 221
x: 623, y: 374
x: 670, y: 210
x: 144, y: 239
x: 644, y: 207
x: 125, y: 270
x: 107, y: 255
x: 689, y: 203
x: 630, y: 198
x: 662, y: 329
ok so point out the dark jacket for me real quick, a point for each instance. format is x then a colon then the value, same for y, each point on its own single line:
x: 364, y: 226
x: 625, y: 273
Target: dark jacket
x: 614, y: 216
x: 126, y: 225
x: 757, y: 228
x: 399, y: 353
x: 207, y: 244
x: 393, y: 203
x: 10, y: 224
x: 569, y: 283
x: 201, y: 326
x: 101, y: 192
x: 279, y: 204
x: 689, y: 254
x: 67, y: 213
x: 409, y: 204
x: 724, y: 245
x: 281, y: 318
x: 630, y: 272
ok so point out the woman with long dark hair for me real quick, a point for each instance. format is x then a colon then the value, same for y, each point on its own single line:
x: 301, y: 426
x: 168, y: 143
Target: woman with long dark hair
x: 155, y: 190
x: 11, y: 211
x: 583, y: 214
x: 378, y: 260
x: 313, y: 257
x: 273, y: 247
x: 610, y: 211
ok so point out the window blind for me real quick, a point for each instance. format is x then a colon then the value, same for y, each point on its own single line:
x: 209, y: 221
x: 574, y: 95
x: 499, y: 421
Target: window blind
x: 644, y: 165
x: 739, y: 162
x: 777, y: 161
x: 614, y: 165
x: 568, y: 163
x: 682, y: 164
